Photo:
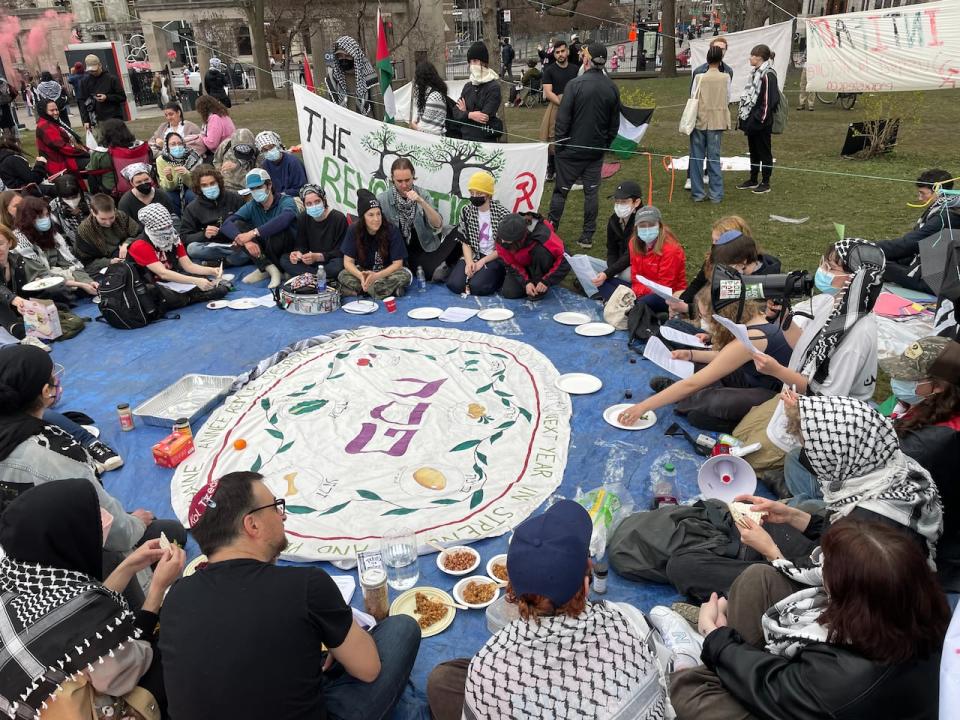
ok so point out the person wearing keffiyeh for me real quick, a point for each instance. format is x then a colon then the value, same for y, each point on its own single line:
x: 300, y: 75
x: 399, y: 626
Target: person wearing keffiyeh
x: 69, y: 642
x: 757, y: 106
x: 174, y: 165
x: 351, y: 80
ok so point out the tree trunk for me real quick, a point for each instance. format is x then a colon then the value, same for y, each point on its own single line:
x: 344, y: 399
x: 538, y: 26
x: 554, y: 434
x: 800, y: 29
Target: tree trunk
x: 490, y: 39
x: 668, y: 22
x: 258, y: 37
x: 757, y: 12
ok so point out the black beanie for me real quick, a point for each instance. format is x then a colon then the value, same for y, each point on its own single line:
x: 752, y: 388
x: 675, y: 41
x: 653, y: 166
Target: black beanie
x: 366, y: 200
x: 478, y: 51
x: 24, y: 370
x: 512, y: 230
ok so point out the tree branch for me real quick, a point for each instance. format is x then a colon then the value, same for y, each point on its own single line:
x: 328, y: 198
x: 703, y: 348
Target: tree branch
x: 410, y: 28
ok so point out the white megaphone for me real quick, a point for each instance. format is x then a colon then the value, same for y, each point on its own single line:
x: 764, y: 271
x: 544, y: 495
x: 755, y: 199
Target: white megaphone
x: 724, y: 477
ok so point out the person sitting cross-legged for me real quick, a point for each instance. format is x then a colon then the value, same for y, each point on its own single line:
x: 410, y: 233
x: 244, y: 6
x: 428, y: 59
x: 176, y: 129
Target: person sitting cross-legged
x: 201, y: 228
x: 245, y: 639
x: 533, y: 254
x: 104, y: 237
x: 480, y: 269
x: 320, y: 232
x: 373, y: 254
x: 271, y: 218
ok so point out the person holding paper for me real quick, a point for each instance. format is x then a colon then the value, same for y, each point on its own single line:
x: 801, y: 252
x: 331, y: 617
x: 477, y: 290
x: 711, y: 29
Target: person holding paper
x: 656, y: 254
x: 728, y: 385
x: 627, y: 199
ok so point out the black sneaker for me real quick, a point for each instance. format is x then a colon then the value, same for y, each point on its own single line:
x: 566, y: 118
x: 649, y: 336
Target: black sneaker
x: 585, y: 242
x: 105, y: 458
x: 748, y: 185
x: 661, y: 383
x: 551, y: 176
x: 761, y: 189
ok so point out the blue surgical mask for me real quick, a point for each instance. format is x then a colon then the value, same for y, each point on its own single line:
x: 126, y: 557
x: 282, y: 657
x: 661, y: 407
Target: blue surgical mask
x: 272, y: 155
x: 211, y: 193
x: 42, y: 224
x: 178, y: 151
x: 649, y: 235
x: 315, y: 211
x: 906, y: 390
x: 823, y: 281
x: 259, y: 195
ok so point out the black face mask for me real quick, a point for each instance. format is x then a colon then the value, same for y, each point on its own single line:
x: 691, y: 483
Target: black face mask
x: 477, y: 201
x: 346, y: 64
x: 144, y: 188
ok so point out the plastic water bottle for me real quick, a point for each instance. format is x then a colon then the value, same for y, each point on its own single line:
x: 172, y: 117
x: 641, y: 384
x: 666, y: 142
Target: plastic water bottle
x: 321, y: 279
x: 664, y: 489
x: 421, y: 279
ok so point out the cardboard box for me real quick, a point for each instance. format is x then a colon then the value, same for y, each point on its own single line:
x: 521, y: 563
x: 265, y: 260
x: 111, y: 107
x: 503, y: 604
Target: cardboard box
x: 173, y: 450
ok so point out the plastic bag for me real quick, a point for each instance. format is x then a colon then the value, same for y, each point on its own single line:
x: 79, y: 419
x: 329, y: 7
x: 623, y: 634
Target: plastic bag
x: 607, y: 505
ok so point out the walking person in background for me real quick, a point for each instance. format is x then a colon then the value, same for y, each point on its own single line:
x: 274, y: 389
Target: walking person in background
x: 713, y: 118
x: 507, y: 54
x: 429, y: 100
x: 587, y: 122
x: 757, y: 106
x: 807, y: 98
x: 215, y: 83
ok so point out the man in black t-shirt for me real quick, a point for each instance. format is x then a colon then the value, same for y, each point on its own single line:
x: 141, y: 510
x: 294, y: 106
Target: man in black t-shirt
x: 556, y: 75
x: 242, y: 638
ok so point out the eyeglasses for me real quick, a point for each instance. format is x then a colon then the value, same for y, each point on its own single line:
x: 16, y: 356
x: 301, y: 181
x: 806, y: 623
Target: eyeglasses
x: 280, y: 504
x: 58, y: 371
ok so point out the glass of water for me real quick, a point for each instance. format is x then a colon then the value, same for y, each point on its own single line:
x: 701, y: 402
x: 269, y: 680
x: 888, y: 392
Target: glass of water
x: 398, y: 546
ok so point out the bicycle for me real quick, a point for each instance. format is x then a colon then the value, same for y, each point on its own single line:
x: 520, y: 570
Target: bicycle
x: 845, y: 100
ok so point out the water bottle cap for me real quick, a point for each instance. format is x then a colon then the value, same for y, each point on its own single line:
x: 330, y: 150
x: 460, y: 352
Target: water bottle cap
x: 668, y: 467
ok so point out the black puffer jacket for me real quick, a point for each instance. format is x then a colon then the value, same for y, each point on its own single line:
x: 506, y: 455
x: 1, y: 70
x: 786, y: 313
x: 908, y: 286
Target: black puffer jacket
x: 202, y: 212
x: 821, y: 681
x: 486, y: 98
x: 215, y: 83
x: 589, y: 116
x: 15, y: 171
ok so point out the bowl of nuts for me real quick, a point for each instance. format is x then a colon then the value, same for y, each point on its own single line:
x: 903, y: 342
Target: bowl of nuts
x: 497, y: 569
x: 458, y: 560
x: 476, y: 591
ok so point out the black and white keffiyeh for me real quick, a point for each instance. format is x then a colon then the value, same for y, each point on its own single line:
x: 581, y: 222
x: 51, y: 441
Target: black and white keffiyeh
x: 469, y: 227
x: 49, y: 90
x: 855, y: 454
x: 366, y: 76
x: 592, y: 666
x: 406, y: 213
x: 267, y: 137
x: 130, y: 171
x: 158, y: 225
x: 854, y: 300
x: 752, y: 90
x: 793, y: 623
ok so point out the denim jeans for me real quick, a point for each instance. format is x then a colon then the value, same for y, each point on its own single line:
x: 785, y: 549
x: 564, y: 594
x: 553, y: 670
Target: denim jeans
x: 346, y: 698
x: 607, y: 289
x: 79, y: 433
x: 801, y: 483
x: 230, y: 254
x: 705, y: 144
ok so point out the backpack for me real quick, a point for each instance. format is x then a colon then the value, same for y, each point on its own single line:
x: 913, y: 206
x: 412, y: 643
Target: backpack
x: 451, y: 125
x: 780, y: 113
x: 126, y: 300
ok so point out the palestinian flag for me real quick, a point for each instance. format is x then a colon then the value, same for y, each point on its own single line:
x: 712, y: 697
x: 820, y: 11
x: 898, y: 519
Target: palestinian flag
x: 386, y: 72
x: 633, y: 126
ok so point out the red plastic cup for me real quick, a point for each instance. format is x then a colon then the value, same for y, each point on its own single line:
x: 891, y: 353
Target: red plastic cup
x: 390, y: 304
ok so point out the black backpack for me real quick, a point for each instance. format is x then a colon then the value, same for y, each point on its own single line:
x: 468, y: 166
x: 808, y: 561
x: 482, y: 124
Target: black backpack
x: 126, y: 300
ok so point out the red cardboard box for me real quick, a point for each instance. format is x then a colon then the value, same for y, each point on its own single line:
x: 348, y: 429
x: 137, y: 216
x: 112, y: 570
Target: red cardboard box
x: 173, y: 450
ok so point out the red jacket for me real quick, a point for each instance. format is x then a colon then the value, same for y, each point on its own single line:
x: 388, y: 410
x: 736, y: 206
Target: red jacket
x: 54, y: 143
x: 667, y: 267
x: 519, y: 259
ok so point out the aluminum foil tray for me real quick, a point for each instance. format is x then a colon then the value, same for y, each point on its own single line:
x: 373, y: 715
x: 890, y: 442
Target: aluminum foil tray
x: 192, y: 396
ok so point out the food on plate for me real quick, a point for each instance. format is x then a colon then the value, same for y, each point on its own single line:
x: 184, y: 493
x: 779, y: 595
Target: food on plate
x: 430, y: 478
x: 477, y: 592
x: 429, y: 611
x: 459, y: 560
x: 499, y: 571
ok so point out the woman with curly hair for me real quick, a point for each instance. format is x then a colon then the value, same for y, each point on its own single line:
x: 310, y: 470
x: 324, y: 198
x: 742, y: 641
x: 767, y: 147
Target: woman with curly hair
x: 217, y: 127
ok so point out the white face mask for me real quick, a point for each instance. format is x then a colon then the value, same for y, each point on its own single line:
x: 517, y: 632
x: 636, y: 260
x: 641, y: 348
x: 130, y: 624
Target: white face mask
x: 623, y: 210
x: 476, y: 73
x: 72, y: 202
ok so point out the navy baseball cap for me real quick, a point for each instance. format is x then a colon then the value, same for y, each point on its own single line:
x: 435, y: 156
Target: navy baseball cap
x: 549, y: 552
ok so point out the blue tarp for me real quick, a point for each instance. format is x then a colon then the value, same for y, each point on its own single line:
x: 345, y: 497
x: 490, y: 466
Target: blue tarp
x: 105, y: 366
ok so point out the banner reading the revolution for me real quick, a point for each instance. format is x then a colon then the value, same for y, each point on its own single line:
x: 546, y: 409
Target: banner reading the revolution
x: 914, y: 47
x: 344, y: 151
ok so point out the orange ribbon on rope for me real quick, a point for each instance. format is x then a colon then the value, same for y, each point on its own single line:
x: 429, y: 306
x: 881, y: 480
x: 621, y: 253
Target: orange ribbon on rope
x: 667, y: 161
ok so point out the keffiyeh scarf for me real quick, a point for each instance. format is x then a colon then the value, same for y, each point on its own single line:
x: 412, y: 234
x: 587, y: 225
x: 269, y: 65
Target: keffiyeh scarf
x: 267, y: 137
x: 158, y: 225
x: 793, y: 623
x: 365, y: 74
x: 49, y: 90
x: 592, y: 666
x: 133, y: 169
x: 855, y: 453
x: 752, y: 91
x: 406, y: 213
x: 470, y: 217
x: 56, y: 623
x: 854, y: 300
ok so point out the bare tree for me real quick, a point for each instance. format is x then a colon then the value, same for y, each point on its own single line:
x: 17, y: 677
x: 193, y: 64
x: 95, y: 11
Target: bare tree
x: 556, y: 8
x: 668, y: 22
x: 255, y: 12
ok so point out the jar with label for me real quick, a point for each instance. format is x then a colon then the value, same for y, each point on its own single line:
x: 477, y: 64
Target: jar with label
x: 126, y: 416
x: 373, y: 583
x: 182, y: 426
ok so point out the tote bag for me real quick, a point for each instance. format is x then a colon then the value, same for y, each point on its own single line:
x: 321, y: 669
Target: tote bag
x: 688, y: 120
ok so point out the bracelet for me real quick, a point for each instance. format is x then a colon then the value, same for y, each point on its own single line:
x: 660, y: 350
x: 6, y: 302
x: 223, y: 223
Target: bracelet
x: 691, y: 355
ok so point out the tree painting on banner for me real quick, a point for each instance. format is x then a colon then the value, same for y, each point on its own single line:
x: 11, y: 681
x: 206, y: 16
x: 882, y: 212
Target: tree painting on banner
x: 916, y: 47
x: 344, y: 151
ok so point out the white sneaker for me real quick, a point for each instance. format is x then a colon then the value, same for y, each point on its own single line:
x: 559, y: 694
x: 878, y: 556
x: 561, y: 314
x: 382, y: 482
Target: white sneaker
x: 677, y: 635
x: 255, y: 277
x: 276, y: 277
x: 36, y: 342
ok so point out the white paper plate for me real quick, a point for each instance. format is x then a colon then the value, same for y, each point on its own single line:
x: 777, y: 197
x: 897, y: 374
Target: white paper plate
x: 425, y: 313
x: 495, y: 314
x: 461, y: 586
x: 571, y: 318
x: 496, y: 560
x: 43, y: 284
x: 360, y: 307
x: 612, y: 412
x: 218, y: 304
x: 191, y: 566
x: 578, y: 383
x: 246, y: 303
x: 594, y: 329
x: 459, y: 548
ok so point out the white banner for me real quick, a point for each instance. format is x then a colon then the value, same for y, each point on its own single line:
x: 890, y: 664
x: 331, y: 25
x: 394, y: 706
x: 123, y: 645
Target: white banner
x: 739, y: 44
x: 344, y: 151
x: 404, y: 96
x: 904, y: 48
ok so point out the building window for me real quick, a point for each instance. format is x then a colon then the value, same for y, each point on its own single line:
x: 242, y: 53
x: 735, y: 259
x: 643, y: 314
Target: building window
x: 132, y: 11
x: 244, y: 43
x: 99, y: 11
